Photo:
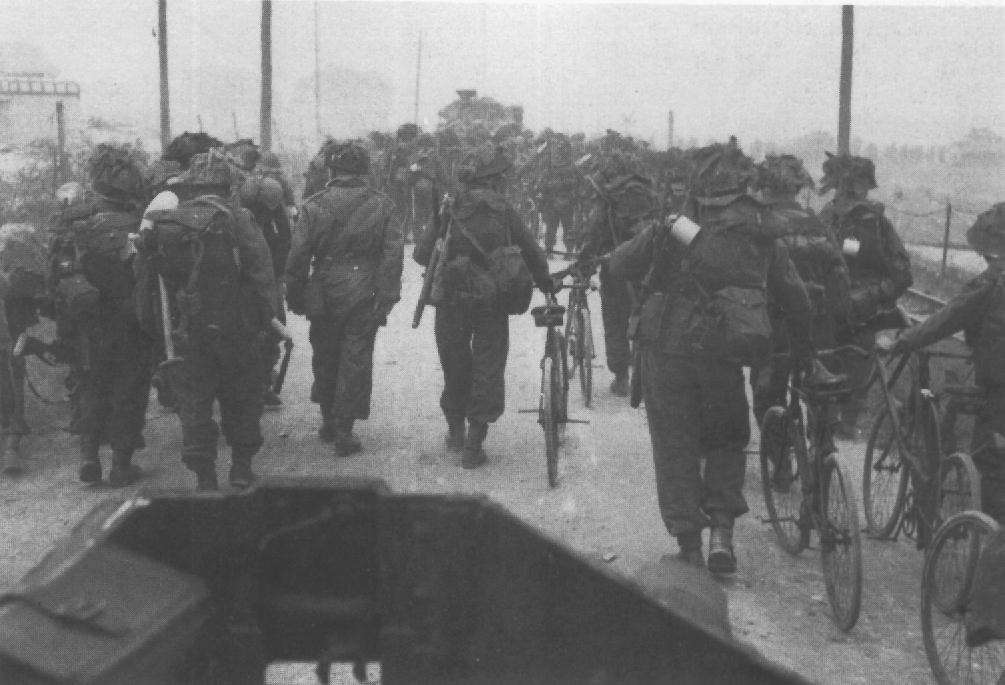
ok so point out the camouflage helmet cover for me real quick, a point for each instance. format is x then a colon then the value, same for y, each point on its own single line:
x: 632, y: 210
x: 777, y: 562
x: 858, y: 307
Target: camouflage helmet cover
x: 487, y: 161
x: 839, y: 169
x: 113, y: 172
x: 782, y: 174
x: 266, y: 192
x: 210, y: 169
x: 721, y: 172
x: 987, y: 235
x: 351, y: 158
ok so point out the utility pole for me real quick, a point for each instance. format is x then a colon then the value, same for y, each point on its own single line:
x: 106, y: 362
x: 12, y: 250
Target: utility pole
x: 162, y: 44
x: 669, y: 129
x: 317, y: 74
x: 60, y: 170
x: 266, y: 114
x: 844, y: 91
x: 418, y: 71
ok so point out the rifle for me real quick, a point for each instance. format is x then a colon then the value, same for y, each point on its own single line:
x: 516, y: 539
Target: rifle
x: 277, y: 386
x: 434, y: 264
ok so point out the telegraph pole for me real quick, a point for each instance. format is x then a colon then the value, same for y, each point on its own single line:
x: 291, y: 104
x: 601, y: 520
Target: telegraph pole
x: 266, y: 114
x: 162, y: 44
x: 844, y: 91
x: 418, y: 71
x: 317, y: 74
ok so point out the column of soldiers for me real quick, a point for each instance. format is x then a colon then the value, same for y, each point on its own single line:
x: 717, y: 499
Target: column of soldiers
x: 827, y: 279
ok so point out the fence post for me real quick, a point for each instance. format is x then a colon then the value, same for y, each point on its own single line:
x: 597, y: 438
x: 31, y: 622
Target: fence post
x: 945, y: 239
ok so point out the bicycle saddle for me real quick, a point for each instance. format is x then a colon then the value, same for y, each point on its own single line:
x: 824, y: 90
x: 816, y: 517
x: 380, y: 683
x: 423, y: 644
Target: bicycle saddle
x: 820, y: 379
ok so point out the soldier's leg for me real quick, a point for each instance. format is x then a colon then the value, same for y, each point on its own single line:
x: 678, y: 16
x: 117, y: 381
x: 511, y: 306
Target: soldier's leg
x: 989, y: 461
x: 453, y: 329
x: 325, y: 342
x: 196, y: 381
x: 12, y: 464
x: 725, y: 426
x: 241, y: 407
x: 551, y: 220
x: 615, y: 308
x: 858, y: 370
x: 94, y: 407
x: 674, y: 417
x: 489, y: 349
x: 130, y: 394
x: 354, y: 384
x: 568, y: 229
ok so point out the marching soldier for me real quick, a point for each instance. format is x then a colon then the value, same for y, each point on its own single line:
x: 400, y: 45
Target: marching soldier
x: 344, y: 274
x: 472, y: 329
x: 693, y: 385
x: 878, y: 265
x: 623, y: 199
x: 979, y: 311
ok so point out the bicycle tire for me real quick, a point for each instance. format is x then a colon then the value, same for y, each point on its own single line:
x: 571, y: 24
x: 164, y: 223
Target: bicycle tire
x: 561, y: 389
x: 840, y: 544
x: 785, y: 506
x: 946, y: 586
x: 586, y: 356
x: 959, y: 486
x: 547, y: 419
x: 883, y: 496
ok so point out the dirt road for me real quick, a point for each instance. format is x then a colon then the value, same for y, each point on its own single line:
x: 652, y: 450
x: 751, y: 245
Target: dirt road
x: 605, y: 505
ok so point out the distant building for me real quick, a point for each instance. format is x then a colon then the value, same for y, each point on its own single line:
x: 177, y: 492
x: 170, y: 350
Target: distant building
x: 29, y: 92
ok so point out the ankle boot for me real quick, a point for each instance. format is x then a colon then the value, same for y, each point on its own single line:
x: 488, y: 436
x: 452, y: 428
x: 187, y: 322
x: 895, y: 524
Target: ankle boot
x: 346, y: 443
x: 326, y: 433
x: 474, y: 456
x: 90, y: 464
x: 13, y: 465
x: 721, y: 558
x: 455, y: 434
x: 123, y: 472
x: 241, y: 475
x: 620, y: 386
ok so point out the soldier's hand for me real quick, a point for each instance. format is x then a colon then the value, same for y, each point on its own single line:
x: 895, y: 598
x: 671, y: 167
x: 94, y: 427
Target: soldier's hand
x: 280, y: 329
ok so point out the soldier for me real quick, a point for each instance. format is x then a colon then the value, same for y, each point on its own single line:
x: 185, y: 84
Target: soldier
x: 979, y: 311
x: 111, y: 354
x: 344, y: 273
x: 472, y: 330
x: 264, y: 198
x: 816, y: 253
x: 623, y: 199
x: 557, y: 191
x: 693, y: 386
x: 878, y: 265
x: 224, y: 311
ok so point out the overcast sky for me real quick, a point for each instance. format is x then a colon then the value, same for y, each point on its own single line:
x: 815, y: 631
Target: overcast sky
x: 922, y: 74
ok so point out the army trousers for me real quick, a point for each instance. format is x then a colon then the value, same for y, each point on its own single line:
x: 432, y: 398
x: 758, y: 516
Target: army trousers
x: 343, y: 362
x: 473, y: 344
x: 697, y: 410
x: 615, y: 307
x: 113, y: 385
x: 989, y: 461
x: 554, y: 217
x: 228, y: 371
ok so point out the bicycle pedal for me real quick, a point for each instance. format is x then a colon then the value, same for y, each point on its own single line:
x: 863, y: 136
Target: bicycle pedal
x: 527, y: 411
x: 576, y: 421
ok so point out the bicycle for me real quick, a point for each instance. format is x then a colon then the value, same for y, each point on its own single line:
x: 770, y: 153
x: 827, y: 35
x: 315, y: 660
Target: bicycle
x: 553, y: 402
x: 806, y: 487
x: 947, y: 588
x: 909, y: 484
x: 579, y: 330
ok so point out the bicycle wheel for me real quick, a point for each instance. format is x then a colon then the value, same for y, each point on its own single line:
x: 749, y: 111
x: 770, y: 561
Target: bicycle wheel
x: 585, y: 360
x: 546, y: 417
x: 959, y: 486
x: 946, y: 587
x: 884, y: 479
x: 782, y: 463
x: 560, y: 389
x: 572, y: 337
x: 840, y: 545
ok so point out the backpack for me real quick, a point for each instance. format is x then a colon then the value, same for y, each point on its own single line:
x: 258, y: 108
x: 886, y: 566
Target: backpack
x: 101, y: 243
x: 183, y: 237
x: 727, y: 265
x: 509, y: 282
x: 23, y: 257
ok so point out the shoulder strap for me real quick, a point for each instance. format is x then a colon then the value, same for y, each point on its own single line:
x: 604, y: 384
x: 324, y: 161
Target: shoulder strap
x: 466, y: 234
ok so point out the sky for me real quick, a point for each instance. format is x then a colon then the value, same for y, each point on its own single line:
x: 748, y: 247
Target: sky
x: 922, y: 75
